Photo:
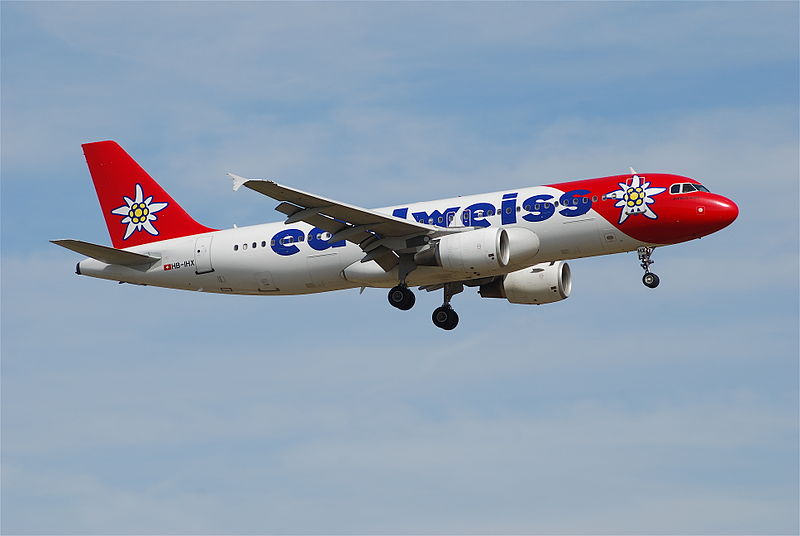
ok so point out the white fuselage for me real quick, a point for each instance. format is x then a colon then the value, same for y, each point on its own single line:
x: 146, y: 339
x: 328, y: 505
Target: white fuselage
x: 277, y: 258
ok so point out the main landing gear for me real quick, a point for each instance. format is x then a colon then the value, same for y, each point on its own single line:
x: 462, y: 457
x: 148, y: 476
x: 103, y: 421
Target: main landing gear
x: 402, y: 298
x: 649, y: 279
x: 443, y: 317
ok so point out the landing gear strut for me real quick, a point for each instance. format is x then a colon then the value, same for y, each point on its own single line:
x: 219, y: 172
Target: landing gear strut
x: 649, y: 279
x: 402, y: 297
x: 445, y: 317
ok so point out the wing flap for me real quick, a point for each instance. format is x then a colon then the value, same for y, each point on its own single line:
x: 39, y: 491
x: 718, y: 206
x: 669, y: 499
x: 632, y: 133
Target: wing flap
x: 105, y: 254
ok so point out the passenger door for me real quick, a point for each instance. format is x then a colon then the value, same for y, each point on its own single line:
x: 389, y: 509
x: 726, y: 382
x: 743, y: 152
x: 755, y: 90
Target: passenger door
x: 202, y: 254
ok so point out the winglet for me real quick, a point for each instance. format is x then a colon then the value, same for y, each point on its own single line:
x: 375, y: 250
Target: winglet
x: 237, y: 181
x: 633, y: 171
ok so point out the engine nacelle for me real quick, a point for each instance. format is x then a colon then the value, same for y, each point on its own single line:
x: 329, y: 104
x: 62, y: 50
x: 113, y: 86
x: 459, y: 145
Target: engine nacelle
x: 543, y: 283
x: 482, y: 249
x: 523, y: 246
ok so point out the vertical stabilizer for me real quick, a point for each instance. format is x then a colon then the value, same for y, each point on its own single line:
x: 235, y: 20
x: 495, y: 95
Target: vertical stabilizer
x: 136, y: 209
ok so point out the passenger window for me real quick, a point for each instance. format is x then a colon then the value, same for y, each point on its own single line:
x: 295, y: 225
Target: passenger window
x: 272, y: 242
x: 508, y: 210
x: 594, y: 199
x: 263, y: 243
x: 236, y: 247
x: 255, y: 245
x: 528, y: 208
x: 244, y: 246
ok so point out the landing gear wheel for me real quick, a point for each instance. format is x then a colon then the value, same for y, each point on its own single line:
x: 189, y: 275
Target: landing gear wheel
x: 402, y: 298
x: 445, y: 317
x: 650, y: 280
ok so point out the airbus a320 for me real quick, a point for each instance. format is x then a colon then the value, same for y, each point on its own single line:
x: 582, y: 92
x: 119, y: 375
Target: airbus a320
x: 510, y: 244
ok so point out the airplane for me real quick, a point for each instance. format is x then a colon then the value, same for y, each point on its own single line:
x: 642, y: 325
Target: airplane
x: 510, y: 244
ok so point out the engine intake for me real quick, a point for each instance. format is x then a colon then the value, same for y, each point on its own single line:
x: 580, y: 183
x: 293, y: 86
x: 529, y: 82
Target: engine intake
x: 543, y: 283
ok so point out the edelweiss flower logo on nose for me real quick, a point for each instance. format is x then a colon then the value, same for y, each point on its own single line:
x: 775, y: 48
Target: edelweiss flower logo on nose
x: 635, y: 198
x: 139, y: 213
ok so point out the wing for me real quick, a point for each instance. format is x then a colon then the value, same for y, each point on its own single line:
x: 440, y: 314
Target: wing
x: 381, y: 236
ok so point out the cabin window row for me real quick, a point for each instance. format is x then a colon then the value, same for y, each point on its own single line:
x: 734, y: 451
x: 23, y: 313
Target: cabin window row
x: 575, y: 202
x: 536, y: 206
x: 284, y: 241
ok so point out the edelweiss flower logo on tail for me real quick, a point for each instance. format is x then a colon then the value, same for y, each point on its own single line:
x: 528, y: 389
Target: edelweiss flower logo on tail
x: 635, y: 198
x: 139, y: 213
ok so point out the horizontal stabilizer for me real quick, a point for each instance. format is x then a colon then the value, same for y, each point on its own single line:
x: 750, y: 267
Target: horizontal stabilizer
x: 105, y: 254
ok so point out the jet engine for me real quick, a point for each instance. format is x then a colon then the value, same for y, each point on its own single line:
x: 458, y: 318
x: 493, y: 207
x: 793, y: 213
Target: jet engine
x: 543, y: 283
x: 482, y: 249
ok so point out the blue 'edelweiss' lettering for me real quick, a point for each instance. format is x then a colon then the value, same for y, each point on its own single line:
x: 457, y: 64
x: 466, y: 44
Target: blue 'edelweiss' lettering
x: 539, y: 207
x: 574, y: 204
x: 508, y: 209
x: 441, y: 219
x: 473, y: 215
x: 283, y: 243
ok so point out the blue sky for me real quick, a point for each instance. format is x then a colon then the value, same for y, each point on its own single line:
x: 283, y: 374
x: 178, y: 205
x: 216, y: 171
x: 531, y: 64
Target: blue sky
x: 619, y: 410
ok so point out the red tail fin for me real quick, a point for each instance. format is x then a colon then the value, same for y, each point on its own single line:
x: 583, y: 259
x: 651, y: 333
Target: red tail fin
x: 137, y: 210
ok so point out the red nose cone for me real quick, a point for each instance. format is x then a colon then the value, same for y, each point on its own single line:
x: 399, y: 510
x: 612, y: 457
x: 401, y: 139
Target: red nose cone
x: 724, y: 212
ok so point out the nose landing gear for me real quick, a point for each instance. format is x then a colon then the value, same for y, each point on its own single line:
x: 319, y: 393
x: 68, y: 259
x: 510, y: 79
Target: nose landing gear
x: 649, y: 279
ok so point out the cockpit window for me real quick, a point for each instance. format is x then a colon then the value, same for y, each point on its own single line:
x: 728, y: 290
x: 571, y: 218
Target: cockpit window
x: 686, y: 187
